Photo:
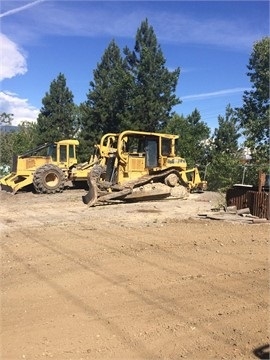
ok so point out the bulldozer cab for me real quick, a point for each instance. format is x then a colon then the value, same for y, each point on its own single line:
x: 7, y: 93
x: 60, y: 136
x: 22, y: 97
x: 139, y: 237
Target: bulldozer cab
x: 139, y: 165
x: 139, y: 153
x: 151, y: 153
x: 136, y: 145
x: 154, y: 146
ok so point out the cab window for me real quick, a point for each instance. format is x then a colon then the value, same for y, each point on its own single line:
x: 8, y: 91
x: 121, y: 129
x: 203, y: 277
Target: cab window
x: 52, y: 152
x: 63, y: 153
x: 71, y: 151
x: 166, y: 147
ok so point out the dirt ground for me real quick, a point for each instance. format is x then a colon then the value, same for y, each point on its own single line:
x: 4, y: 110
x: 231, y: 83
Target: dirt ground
x: 149, y: 280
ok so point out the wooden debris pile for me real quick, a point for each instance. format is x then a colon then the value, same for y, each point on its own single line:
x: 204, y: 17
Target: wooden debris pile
x: 230, y: 213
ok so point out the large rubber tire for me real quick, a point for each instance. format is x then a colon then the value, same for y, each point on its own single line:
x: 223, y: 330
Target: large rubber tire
x: 49, y: 179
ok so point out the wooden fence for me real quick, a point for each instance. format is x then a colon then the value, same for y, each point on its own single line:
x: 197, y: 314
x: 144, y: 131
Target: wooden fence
x: 246, y: 197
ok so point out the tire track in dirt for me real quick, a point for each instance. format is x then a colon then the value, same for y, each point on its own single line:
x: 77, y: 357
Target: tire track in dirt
x: 164, y: 303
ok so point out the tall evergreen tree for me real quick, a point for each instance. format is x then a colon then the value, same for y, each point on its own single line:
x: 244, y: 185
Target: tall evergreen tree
x: 225, y: 159
x: 254, y: 115
x: 193, y: 133
x: 106, y: 109
x: 154, y: 85
x: 225, y: 138
x: 56, y: 120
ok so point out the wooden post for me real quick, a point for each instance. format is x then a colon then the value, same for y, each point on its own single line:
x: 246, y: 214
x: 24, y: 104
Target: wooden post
x: 261, y: 182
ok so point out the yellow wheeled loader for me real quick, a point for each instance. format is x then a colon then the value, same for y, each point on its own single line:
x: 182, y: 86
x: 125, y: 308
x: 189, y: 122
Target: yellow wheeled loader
x: 141, y: 166
x: 48, y: 167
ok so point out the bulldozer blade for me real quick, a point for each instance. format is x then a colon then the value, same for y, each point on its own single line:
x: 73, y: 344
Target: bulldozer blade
x: 155, y: 194
x: 90, y: 198
x: 87, y: 198
x: 119, y: 195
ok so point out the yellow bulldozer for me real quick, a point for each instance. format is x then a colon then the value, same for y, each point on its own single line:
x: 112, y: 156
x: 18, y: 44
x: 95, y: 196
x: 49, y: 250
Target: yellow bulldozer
x: 136, y: 165
x: 48, y: 167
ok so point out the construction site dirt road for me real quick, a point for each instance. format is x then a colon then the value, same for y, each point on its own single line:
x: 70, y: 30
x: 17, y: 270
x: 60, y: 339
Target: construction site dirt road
x: 147, y: 280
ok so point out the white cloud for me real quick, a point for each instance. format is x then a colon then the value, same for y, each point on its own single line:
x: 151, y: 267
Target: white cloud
x: 20, y: 8
x: 13, y: 59
x: 10, y: 103
x: 223, y: 92
x: 94, y: 19
x: 13, y: 64
x: 170, y: 26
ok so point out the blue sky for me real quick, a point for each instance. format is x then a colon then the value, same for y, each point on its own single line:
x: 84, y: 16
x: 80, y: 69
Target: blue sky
x: 211, y: 41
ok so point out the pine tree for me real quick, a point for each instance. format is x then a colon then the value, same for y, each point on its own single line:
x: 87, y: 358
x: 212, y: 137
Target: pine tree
x: 225, y: 138
x: 225, y: 159
x: 154, y: 85
x: 56, y: 120
x: 193, y: 133
x: 106, y: 109
x: 254, y: 115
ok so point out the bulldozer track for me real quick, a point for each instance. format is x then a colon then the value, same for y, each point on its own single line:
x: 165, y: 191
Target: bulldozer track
x: 148, y: 178
x: 94, y: 194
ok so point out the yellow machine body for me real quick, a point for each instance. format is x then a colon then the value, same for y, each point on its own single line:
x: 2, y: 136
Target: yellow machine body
x: 29, y: 167
x: 134, y: 159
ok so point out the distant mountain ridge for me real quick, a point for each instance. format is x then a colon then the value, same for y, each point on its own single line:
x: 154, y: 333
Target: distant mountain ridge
x: 8, y: 128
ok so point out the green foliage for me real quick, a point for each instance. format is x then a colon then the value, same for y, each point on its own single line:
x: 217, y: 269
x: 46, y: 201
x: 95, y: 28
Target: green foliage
x: 6, y: 152
x: 154, y: 85
x: 6, y: 145
x: 6, y: 119
x: 224, y: 170
x: 25, y: 137
x: 16, y: 143
x: 135, y: 92
x: 254, y: 114
x: 193, y: 133
x: 106, y: 108
x: 57, y: 120
x: 225, y: 138
x: 224, y: 158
